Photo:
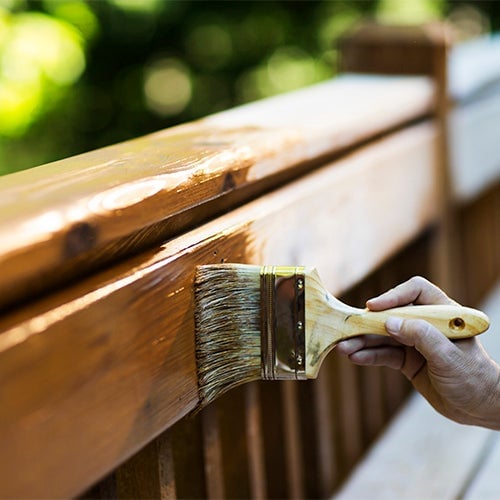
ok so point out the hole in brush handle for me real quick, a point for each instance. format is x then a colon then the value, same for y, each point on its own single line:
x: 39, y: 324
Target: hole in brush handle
x: 456, y: 324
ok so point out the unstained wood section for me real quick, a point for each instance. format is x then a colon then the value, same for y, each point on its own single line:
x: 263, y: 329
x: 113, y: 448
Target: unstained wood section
x: 106, y: 365
x: 473, y: 142
x: 421, y: 455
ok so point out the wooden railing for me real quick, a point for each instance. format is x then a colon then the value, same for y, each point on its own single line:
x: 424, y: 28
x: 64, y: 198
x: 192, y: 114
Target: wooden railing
x: 97, y: 366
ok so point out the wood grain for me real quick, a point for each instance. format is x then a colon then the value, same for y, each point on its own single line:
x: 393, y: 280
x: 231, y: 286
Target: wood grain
x: 214, y: 474
x: 372, y: 47
x: 83, y: 213
x: 108, y: 363
x: 255, y: 443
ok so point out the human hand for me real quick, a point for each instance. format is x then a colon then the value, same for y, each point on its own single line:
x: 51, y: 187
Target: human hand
x: 458, y: 378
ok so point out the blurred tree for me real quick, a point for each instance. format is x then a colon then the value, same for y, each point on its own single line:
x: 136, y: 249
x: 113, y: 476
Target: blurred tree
x: 76, y: 75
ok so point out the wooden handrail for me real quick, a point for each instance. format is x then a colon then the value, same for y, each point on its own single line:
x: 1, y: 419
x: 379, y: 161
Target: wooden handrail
x: 82, y: 213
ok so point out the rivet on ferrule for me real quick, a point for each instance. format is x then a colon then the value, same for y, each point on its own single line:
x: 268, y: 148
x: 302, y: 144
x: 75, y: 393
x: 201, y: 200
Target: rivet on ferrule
x: 283, y: 323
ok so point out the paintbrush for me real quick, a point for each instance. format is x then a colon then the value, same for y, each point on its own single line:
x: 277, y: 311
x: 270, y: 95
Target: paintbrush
x: 279, y: 323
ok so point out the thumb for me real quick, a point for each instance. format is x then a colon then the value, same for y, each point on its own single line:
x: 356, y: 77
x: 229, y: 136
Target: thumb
x: 435, y: 347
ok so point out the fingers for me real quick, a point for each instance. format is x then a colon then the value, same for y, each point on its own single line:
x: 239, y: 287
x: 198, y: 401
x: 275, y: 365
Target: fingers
x: 392, y: 357
x: 435, y: 347
x: 354, y: 344
x: 374, y: 350
x: 416, y: 290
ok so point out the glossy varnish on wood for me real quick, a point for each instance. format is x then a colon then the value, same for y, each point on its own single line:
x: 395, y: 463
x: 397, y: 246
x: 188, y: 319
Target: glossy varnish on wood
x: 81, y: 213
x: 109, y: 363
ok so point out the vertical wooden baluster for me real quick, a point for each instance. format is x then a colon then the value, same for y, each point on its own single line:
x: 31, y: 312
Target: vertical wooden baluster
x: 255, y: 442
x: 273, y: 439
x: 322, y: 392
x: 149, y: 473
x: 373, y: 401
x: 136, y: 478
x: 293, y: 443
x: 352, y: 437
x: 212, y: 453
x: 166, y: 467
x: 391, y: 379
x: 413, y: 260
x: 187, y: 451
x: 234, y: 442
x: 476, y: 229
x: 105, y: 489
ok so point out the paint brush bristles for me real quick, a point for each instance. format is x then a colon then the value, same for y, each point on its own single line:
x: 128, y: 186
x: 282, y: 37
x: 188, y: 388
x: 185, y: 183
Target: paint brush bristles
x: 228, y: 328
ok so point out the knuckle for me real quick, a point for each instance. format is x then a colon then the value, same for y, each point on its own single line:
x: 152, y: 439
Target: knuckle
x: 419, y: 281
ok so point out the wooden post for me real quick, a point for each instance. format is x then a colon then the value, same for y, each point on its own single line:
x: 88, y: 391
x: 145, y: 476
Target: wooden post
x: 415, y: 50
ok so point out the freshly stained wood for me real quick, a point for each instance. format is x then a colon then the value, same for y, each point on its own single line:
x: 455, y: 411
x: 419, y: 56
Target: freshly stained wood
x: 107, y: 364
x: 84, y: 212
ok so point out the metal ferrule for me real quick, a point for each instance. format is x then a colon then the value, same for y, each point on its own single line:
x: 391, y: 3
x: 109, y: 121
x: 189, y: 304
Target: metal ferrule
x: 283, y: 323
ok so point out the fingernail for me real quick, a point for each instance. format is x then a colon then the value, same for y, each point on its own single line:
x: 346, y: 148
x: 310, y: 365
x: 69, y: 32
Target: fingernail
x: 393, y: 324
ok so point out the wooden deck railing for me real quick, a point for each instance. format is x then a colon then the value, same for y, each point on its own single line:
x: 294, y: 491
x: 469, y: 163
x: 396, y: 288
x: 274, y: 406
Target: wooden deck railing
x: 97, y: 365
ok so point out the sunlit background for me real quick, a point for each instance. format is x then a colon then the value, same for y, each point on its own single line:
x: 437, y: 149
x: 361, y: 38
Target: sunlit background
x: 76, y: 75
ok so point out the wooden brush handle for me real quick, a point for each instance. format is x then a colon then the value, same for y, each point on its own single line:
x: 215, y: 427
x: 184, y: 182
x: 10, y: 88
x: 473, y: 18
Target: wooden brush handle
x: 456, y: 322
x: 328, y: 321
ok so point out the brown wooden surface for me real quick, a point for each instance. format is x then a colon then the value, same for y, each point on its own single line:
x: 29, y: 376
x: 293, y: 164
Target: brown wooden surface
x: 253, y: 426
x: 214, y: 474
x: 109, y: 363
x: 393, y: 49
x: 479, y: 230
x: 80, y: 214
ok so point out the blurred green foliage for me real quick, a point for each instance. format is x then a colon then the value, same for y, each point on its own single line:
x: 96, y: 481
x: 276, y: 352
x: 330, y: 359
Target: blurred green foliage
x: 76, y: 75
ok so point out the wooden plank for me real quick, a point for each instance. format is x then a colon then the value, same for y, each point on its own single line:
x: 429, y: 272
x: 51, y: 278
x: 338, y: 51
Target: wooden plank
x: 188, y: 458
x: 373, y: 402
x: 392, y: 49
x: 255, y: 444
x: 166, y: 471
x: 148, y: 474
x: 274, y: 439
x: 214, y: 475
x: 480, y: 262
x: 351, y: 417
x: 485, y: 485
x: 79, y: 214
x: 325, y: 428
x: 109, y: 363
x: 419, y: 49
x: 139, y: 477
x: 421, y: 455
x: 293, y: 443
x: 235, y: 446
